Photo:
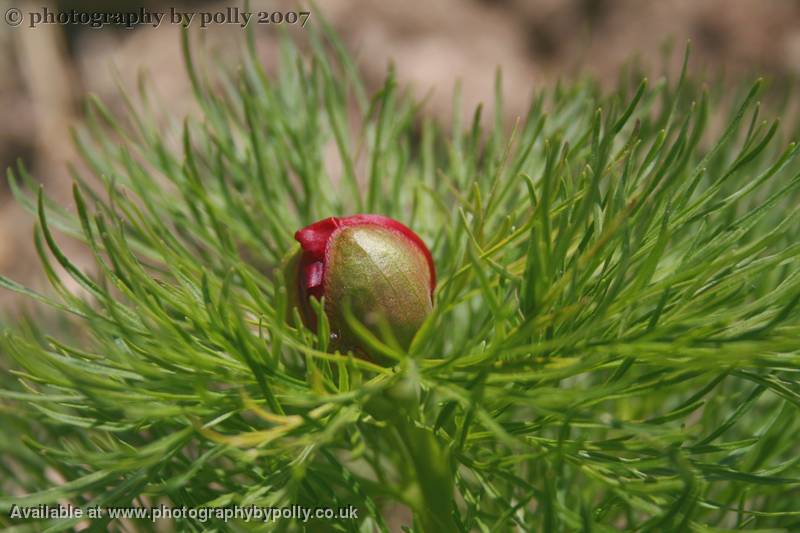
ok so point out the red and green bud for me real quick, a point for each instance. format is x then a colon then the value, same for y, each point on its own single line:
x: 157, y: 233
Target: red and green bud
x: 371, y: 266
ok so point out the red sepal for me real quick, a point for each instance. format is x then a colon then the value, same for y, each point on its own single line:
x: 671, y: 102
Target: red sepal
x: 314, y: 241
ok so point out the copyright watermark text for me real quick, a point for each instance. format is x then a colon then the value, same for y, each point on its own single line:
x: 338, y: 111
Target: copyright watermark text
x: 147, y: 17
x: 251, y: 513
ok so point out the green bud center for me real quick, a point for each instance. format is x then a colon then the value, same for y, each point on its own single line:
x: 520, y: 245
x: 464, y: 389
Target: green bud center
x: 382, y: 277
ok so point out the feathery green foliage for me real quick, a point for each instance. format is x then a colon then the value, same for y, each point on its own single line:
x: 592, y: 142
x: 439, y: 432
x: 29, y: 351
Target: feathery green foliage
x: 615, y: 341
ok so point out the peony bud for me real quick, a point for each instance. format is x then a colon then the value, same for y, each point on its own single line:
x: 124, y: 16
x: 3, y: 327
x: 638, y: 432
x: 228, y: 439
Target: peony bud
x: 375, y: 265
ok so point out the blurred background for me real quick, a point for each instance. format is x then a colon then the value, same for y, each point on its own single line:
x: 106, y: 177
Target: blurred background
x: 45, y: 72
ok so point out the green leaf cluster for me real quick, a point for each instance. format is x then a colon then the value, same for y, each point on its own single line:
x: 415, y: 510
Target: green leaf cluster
x: 615, y: 342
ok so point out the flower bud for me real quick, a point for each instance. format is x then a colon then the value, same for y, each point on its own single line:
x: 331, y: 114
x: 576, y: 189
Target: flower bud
x: 371, y: 266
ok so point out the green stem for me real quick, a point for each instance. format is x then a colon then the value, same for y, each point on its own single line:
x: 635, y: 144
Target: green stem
x: 431, y: 495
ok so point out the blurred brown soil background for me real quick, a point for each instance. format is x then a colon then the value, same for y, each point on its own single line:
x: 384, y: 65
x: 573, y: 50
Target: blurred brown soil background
x: 45, y: 72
